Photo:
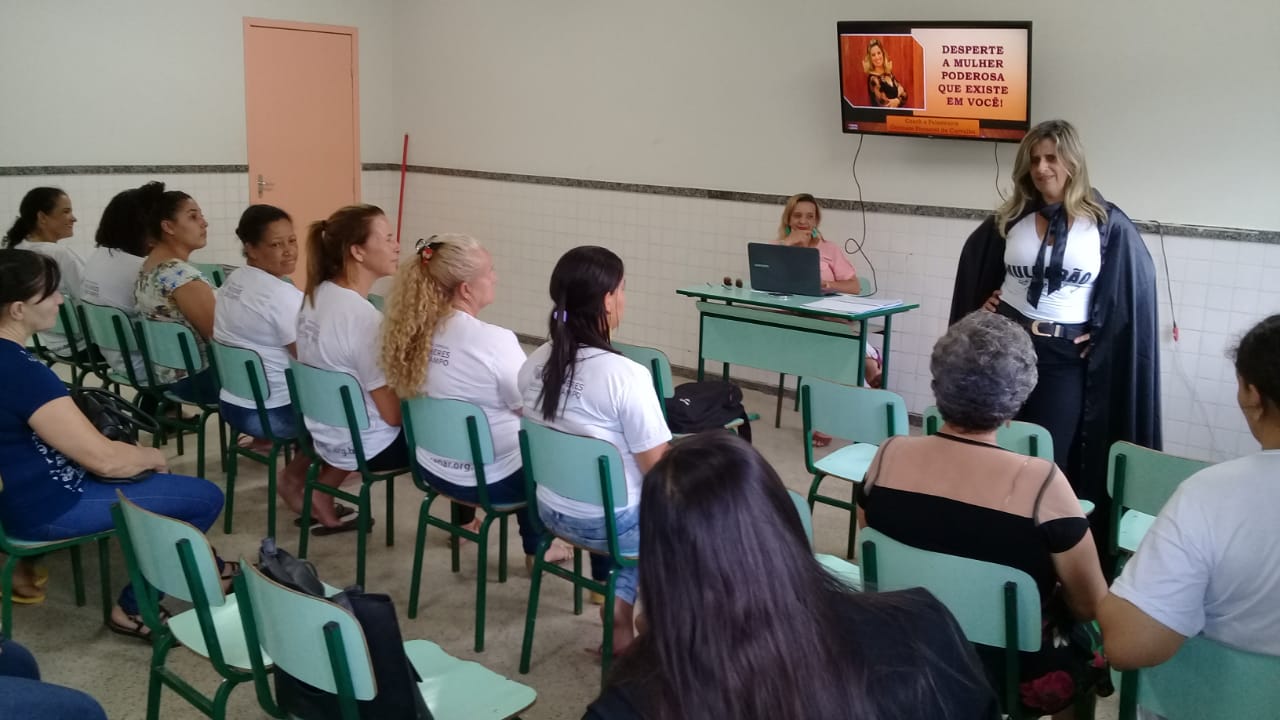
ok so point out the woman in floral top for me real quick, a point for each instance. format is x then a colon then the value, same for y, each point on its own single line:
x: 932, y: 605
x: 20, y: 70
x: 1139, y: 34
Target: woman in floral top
x: 170, y: 288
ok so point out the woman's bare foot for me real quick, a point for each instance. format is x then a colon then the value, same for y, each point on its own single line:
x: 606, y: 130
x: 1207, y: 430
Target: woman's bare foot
x: 821, y: 439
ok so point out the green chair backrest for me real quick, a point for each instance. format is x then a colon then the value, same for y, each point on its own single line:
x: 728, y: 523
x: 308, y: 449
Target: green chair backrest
x: 170, y: 344
x: 806, y: 516
x: 974, y: 591
x: 1205, y: 680
x: 656, y: 362
x: 240, y: 371
x: 866, y: 285
x: 320, y: 396
x: 377, y: 301
x: 1024, y: 438
x: 291, y: 628
x: 154, y: 538
x: 215, y: 273
x: 571, y: 465
x: 67, y: 324
x: 110, y: 328
x: 442, y: 427
x: 853, y: 413
x: 1147, y: 478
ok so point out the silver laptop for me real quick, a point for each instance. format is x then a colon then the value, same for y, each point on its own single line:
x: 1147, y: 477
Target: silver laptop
x: 785, y: 269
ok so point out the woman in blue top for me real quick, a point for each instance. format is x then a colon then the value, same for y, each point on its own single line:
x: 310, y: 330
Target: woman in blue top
x: 52, y: 458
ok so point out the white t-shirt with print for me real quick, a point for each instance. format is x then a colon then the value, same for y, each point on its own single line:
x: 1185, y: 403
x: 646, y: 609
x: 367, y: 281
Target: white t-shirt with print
x: 109, y: 279
x: 258, y: 311
x: 477, y: 362
x: 1211, y: 561
x: 71, y: 266
x: 339, y: 330
x: 612, y: 399
x: 1081, y: 261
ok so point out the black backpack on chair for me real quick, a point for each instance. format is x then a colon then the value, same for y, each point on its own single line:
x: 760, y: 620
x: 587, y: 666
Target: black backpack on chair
x: 707, y: 405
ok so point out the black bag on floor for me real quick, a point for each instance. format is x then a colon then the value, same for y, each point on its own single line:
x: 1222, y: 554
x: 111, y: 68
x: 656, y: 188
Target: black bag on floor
x: 707, y: 405
x: 398, y: 697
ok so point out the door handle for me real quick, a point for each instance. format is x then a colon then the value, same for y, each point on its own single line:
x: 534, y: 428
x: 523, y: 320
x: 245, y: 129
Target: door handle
x: 263, y: 185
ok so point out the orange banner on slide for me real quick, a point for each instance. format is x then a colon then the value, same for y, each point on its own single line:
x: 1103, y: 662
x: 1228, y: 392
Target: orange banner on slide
x: 953, y: 127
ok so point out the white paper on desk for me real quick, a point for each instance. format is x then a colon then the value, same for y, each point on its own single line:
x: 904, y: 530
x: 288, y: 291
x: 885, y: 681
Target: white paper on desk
x: 851, y: 304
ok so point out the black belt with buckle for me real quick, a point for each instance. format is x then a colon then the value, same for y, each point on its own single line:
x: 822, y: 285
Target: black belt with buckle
x: 1043, y: 328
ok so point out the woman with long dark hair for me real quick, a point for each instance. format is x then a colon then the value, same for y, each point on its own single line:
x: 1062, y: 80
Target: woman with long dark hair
x: 744, y: 623
x: 123, y: 239
x: 579, y: 384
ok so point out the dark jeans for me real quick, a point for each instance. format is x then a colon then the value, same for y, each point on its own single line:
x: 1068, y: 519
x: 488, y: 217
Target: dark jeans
x: 191, y: 499
x: 393, y: 457
x: 507, y: 491
x: 22, y: 695
x: 1057, y: 402
x: 200, y: 389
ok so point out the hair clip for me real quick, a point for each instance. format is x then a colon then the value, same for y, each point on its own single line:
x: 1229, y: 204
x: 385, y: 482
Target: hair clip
x: 560, y: 315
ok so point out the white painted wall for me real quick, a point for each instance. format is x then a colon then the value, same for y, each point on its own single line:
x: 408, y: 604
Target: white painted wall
x: 1175, y: 99
x: 160, y: 81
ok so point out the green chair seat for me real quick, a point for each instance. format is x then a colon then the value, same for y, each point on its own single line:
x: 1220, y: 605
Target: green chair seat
x: 1204, y: 680
x: 849, y: 462
x: 462, y: 689
x: 15, y: 549
x: 849, y: 573
x: 185, y: 627
x: 1134, y: 524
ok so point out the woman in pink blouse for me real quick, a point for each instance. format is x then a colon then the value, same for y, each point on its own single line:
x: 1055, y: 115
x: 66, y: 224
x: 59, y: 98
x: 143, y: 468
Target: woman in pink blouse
x: 799, y: 226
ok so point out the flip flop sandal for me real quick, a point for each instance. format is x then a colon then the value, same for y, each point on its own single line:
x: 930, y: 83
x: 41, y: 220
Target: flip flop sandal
x: 338, y: 508
x: 28, y: 599
x: 820, y: 440
x: 41, y: 576
x: 137, y: 628
x: 349, y: 524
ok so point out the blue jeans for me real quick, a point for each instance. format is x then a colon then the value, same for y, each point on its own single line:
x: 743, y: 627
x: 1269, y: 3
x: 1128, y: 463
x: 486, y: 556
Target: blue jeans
x: 191, y: 499
x: 201, y: 388
x: 22, y: 695
x: 591, y: 533
x: 507, y: 491
x: 246, y: 420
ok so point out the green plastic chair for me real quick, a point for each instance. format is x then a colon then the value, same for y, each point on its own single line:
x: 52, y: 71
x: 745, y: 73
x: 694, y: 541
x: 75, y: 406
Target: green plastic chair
x: 846, y: 571
x: 458, y: 430
x: 78, y: 355
x: 215, y: 273
x: 15, y: 549
x: 1205, y: 680
x: 173, y: 557
x: 323, y: 645
x: 377, y: 301
x: 995, y: 605
x: 111, y: 329
x: 660, y: 370
x: 334, y: 398
x: 1140, y: 481
x: 241, y: 373
x: 588, y: 470
x: 865, y: 416
x: 172, y: 345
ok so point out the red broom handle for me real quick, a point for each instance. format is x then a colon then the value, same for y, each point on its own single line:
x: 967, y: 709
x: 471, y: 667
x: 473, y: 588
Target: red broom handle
x: 404, y: 168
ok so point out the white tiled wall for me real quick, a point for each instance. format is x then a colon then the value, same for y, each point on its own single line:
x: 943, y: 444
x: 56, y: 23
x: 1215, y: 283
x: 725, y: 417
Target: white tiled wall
x: 669, y: 242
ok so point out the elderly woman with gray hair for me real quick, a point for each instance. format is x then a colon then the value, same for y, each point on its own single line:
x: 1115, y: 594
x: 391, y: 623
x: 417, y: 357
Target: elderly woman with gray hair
x: 958, y: 492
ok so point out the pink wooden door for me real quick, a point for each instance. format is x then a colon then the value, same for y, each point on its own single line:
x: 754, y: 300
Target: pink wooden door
x: 302, y: 116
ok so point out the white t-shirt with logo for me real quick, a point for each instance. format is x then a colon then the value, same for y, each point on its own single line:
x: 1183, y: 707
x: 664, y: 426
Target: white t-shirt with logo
x: 258, y: 311
x: 71, y: 266
x: 109, y: 279
x: 1211, y: 561
x: 611, y: 398
x: 1081, y: 261
x: 339, y: 330
x: 477, y: 362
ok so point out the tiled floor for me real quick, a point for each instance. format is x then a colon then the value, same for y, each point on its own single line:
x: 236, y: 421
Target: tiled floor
x: 74, y: 649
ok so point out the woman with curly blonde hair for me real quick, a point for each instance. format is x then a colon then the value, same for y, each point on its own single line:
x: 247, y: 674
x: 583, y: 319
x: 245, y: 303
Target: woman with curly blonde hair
x: 434, y: 344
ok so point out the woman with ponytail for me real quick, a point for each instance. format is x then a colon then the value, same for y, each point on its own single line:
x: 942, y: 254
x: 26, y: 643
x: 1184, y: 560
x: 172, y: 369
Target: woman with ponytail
x: 123, y: 240
x: 577, y: 383
x: 434, y: 344
x: 338, y: 330
x: 45, y: 218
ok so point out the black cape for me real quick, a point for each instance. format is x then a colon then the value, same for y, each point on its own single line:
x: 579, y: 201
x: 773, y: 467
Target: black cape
x: 1122, y: 376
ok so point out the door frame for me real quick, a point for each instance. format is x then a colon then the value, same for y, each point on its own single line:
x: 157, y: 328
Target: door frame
x: 354, y: 34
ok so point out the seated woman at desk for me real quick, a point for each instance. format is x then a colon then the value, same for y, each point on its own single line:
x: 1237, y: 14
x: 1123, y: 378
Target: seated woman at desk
x: 799, y: 228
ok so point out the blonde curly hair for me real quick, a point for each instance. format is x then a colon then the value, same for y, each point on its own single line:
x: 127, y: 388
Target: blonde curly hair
x: 420, y: 299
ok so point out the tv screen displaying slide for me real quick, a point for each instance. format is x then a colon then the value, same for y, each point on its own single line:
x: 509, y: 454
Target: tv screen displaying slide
x: 969, y: 80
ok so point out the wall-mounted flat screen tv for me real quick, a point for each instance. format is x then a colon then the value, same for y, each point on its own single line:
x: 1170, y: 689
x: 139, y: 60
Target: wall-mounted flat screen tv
x: 968, y: 80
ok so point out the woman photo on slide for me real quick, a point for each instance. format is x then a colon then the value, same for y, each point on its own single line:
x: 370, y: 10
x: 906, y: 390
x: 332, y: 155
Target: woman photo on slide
x: 882, y: 87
